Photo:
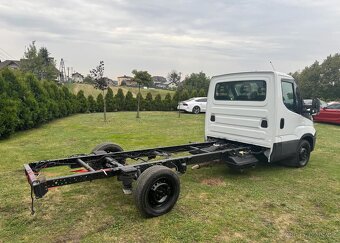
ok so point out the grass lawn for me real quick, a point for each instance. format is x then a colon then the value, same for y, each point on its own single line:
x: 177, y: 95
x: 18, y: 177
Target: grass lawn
x: 89, y: 90
x: 270, y: 203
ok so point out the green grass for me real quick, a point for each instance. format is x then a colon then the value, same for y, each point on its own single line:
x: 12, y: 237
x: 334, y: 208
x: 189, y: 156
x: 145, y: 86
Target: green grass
x: 270, y: 203
x: 89, y: 90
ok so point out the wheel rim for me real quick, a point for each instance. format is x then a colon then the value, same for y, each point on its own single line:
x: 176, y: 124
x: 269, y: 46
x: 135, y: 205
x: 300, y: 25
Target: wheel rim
x: 160, y: 192
x: 303, y: 155
x: 196, y: 110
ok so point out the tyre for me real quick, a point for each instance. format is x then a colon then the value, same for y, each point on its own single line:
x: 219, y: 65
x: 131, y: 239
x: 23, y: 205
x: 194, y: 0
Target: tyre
x: 157, y: 191
x: 196, y: 110
x: 302, y: 156
x: 109, y: 148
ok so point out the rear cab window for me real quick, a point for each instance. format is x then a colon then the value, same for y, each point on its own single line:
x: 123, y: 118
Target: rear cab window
x: 247, y: 90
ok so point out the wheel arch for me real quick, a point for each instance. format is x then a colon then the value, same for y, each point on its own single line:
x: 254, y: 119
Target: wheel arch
x: 310, y: 138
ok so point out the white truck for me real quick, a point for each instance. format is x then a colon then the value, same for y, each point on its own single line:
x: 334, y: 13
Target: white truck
x: 263, y: 109
x: 250, y: 116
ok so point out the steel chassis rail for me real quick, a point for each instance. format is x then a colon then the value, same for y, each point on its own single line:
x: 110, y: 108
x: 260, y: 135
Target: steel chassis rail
x: 103, y: 164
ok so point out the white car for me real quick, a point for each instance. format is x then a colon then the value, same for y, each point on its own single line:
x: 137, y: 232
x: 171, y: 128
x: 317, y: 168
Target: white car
x: 194, y: 105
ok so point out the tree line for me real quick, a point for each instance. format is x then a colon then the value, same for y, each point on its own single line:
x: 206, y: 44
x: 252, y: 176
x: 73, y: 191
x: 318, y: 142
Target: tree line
x: 321, y: 80
x: 127, y: 102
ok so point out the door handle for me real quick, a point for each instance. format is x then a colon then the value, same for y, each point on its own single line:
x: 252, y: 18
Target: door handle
x: 264, y: 123
x: 282, y: 123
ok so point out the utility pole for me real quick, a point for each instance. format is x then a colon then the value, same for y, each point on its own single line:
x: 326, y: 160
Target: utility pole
x: 62, y: 72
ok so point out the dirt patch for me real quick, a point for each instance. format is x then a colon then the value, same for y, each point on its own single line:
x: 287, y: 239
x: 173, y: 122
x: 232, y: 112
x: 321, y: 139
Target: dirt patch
x: 213, y: 182
x: 72, y: 237
x: 255, y: 178
x: 283, y: 222
x: 227, y: 236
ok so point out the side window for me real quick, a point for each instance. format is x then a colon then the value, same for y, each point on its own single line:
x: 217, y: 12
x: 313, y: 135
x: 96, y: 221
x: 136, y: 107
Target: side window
x: 201, y: 100
x: 334, y: 106
x: 288, y: 96
x: 299, y: 100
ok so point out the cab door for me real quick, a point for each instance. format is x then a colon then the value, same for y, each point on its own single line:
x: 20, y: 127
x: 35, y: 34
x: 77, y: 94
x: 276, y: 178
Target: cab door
x: 290, y: 121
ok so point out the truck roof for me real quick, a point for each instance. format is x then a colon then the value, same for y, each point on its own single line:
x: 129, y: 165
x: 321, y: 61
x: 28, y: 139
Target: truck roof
x: 255, y: 72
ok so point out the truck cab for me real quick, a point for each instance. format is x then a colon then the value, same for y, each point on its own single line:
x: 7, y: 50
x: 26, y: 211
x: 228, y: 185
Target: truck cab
x: 264, y: 109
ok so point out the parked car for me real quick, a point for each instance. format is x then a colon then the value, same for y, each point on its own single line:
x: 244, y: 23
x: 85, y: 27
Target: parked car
x: 194, y: 105
x: 329, y: 113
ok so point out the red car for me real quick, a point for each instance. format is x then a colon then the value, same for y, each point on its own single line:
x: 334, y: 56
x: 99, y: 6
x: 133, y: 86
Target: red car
x: 330, y: 113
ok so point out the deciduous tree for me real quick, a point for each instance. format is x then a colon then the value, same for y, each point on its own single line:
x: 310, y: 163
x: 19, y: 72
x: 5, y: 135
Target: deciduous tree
x: 142, y: 78
x: 100, y: 82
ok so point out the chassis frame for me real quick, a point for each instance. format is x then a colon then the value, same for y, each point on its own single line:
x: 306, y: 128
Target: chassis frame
x: 102, y: 164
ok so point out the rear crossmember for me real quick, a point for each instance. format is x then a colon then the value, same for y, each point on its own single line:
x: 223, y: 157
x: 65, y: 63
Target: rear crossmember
x: 103, y: 163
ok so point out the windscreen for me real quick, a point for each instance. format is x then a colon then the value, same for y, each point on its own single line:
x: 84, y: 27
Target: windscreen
x: 247, y: 90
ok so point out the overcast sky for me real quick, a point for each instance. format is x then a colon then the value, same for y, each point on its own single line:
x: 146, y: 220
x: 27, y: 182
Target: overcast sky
x: 158, y: 36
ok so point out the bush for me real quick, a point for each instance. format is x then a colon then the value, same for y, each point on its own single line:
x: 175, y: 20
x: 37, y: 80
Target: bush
x: 148, y: 104
x: 130, y: 102
x: 100, y: 103
x: 157, y: 104
x: 92, y: 104
x: 110, y: 102
x: 120, y: 100
x: 82, y: 102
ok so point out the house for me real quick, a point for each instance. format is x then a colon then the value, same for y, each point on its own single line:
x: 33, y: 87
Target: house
x: 160, y: 85
x: 77, y: 77
x: 123, y: 79
x: 159, y: 82
x: 131, y: 83
x: 171, y: 85
x: 11, y: 64
x: 111, y: 82
x: 166, y: 85
x: 159, y: 79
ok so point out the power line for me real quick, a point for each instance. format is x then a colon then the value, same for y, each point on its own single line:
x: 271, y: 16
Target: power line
x: 2, y: 57
x: 7, y: 54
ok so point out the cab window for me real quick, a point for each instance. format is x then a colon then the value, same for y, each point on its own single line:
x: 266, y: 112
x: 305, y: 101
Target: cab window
x: 247, y: 90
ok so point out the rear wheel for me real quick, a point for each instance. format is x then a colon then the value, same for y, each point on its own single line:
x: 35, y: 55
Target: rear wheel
x: 109, y: 148
x: 157, y: 191
x: 196, y: 110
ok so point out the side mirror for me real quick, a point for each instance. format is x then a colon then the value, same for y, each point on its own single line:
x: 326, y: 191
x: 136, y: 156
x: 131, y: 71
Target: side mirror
x: 315, y: 109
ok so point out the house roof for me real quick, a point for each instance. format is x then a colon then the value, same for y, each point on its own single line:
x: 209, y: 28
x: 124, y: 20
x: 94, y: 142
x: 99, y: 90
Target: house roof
x: 9, y: 62
x: 159, y: 79
x: 77, y: 74
x: 124, y: 76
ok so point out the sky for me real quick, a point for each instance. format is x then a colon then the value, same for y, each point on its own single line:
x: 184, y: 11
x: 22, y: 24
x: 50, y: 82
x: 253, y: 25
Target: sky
x: 214, y: 36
